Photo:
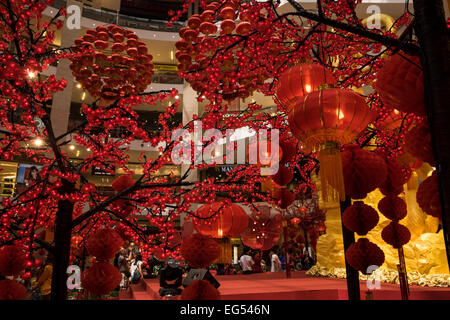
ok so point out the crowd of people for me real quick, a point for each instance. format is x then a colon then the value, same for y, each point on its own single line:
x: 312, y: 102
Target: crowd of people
x: 252, y: 262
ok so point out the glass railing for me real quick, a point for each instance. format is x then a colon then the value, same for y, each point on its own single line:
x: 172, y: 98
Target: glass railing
x: 114, y: 17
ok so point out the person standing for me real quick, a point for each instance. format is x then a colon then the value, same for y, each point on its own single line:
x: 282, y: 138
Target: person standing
x: 257, y: 268
x: 246, y: 262
x: 275, y: 261
x: 44, y: 282
x: 123, y: 268
x: 136, y: 269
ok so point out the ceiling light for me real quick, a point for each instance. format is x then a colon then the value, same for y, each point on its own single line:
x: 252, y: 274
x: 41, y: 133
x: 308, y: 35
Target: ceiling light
x: 72, y: 147
x: 79, y: 85
x: 31, y: 74
x: 171, y: 54
x: 83, y: 96
x: 177, y: 97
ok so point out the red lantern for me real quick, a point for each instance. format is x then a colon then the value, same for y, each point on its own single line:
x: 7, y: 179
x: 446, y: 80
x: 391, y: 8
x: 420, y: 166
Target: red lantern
x: 243, y: 28
x: 101, y: 278
x: 199, y: 251
x: 300, y: 80
x: 123, y: 182
x: 284, y: 196
x: 200, y: 290
x: 428, y: 196
x: 323, y: 120
x: 263, y: 232
x: 104, y: 244
x: 360, y: 218
x: 418, y: 143
x: 220, y: 219
x: 289, y: 149
x: 364, y: 171
x: 400, y: 84
x: 12, y: 260
x: 295, y: 221
x: 283, y: 176
x: 396, y: 235
x: 228, y: 26
x: 363, y: 254
x: 395, y: 179
x: 208, y: 28
x: 227, y: 13
x: 392, y: 207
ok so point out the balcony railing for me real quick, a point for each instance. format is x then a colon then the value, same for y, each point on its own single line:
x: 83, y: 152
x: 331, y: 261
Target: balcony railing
x: 110, y: 16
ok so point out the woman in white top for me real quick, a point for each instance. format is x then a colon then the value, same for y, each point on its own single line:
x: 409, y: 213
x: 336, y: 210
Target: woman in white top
x: 276, y: 263
x: 136, y: 269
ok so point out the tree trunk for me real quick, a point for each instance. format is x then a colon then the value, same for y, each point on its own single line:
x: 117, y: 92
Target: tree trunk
x: 63, y: 232
x: 348, y: 236
x: 431, y: 31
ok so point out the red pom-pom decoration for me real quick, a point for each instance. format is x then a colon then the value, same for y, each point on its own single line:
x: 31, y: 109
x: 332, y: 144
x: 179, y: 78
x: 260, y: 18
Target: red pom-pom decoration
x: 200, y: 290
x: 101, y: 278
x: 396, y: 235
x: 364, y: 171
x: 393, y: 207
x: 104, y: 244
x: 123, y: 182
x: 289, y: 147
x: 12, y: 260
x: 11, y: 290
x: 363, y: 254
x: 428, y: 196
x: 400, y: 84
x: 418, y: 143
x: 360, y: 218
x: 199, y: 251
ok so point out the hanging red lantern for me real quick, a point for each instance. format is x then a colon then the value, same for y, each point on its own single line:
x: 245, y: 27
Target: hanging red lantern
x: 300, y: 80
x: 228, y: 26
x: 396, y: 235
x: 220, y: 219
x: 194, y: 21
x: 395, y: 179
x: 283, y: 176
x: 284, y: 196
x: 428, y: 196
x: 393, y: 207
x: 243, y: 28
x: 324, y: 120
x: 363, y: 254
x: 200, y: 251
x: 208, y: 28
x: 418, y: 143
x: 104, y: 244
x: 364, y: 171
x: 200, y: 290
x: 101, y: 278
x: 289, y: 149
x: 295, y: 221
x: 360, y: 218
x: 123, y: 182
x: 228, y: 13
x: 400, y: 84
x: 12, y: 260
x: 263, y: 231
x: 11, y: 290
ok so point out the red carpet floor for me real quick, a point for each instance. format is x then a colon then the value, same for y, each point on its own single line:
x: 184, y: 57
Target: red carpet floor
x: 275, y: 286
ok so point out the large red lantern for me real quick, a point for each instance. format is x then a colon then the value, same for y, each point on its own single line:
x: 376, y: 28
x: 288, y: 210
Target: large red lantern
x: 400, y: 84
x: 418, y: 143
x: 104, y: 244
x: 263, y: 231
x: 301, y: 80
x: 199, y: 250
x: 324, y: 120
x: 220, y: 219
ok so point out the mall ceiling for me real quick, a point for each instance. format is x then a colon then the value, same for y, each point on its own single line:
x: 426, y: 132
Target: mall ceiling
x: 150, y: 9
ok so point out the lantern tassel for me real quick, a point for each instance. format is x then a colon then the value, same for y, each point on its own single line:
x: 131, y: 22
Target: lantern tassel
x: 331, y: 173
